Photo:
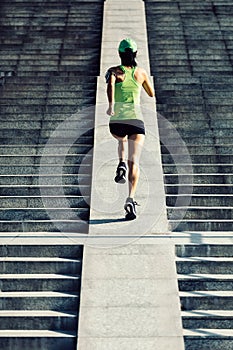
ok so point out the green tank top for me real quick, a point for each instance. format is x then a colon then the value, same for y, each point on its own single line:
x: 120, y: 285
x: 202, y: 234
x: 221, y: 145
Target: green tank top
x: 127, y: 97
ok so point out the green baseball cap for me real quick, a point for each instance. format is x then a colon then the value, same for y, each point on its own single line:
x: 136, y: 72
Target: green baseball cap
x: 127, y: 44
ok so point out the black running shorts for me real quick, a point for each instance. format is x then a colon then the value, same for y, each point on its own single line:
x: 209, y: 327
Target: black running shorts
x: 127, y: 127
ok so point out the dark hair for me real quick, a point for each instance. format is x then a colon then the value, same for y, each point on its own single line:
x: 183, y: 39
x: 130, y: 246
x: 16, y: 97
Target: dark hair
x: 128, y: 58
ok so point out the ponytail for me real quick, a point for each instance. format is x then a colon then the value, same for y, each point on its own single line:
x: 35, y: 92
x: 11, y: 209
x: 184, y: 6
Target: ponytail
x: 128, y: 58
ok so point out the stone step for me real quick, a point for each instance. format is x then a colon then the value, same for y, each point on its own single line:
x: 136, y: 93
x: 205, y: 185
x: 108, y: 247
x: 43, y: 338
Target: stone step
x: 85, y: 139
x: 199, y: 188
x: 205, y: 132
x: 48, y: 190
x: 207, y: 159
x: 42, y: 214
x: 52, y: 225
x: 201, y: 213
x: 35, y: 150
x: 50, y: 101
x: 37, y: 339
x: 32, y: 264
x: 75, y: 179
x: 191, y: 281
x: 208, y: 339
x: 165, y: 86
x: 49, y: 109
x: 201, y: 199
x: 56, y: 301
x: 46, y: 154
x: 205, y: 250
x: 198, y: 178
x: 45, y: 169
x: 44, y: 64
x: 30, y: 135
x: 39, y: 282
x: 39, y: 96
x: 204, y: 265
x: 45, y: 83
x: 213, y: 117
x: 31, y: 202
x: 206, y: 300
x: 199, y: 150
x: 201, y: 225
x: 185, y: 123
x: 213, y: 319
x: 63, y: 71
x: 197, y: 168
x: 51, y: 87
x: 44, y: 251
x: 46, y: 159
x: 40, y: 319
x: 166, y: 110
x: 197, y: 141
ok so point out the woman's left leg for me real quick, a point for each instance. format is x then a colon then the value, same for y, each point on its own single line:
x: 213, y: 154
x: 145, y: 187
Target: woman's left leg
x: 121, y: 168
x: 135, y: 144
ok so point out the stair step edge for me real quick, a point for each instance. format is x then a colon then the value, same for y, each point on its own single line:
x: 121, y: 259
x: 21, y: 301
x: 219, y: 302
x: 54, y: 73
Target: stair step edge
x: 208, y: 333
x: 36, y: 313
x: 207, y: 313
x: 209, y: 277
x: 48, y: 294
x: 37, y: 276
x: 7, y: 333
x: 205, y: 293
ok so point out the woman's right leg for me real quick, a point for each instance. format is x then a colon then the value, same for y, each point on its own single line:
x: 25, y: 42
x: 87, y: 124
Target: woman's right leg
x: 122, y: 168
x: 121, y: 147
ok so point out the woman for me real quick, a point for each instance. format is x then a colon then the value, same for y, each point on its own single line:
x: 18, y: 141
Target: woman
x: 126, y: 122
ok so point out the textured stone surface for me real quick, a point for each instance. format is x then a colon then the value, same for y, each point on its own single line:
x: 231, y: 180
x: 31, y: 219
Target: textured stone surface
x: 191, y: 60
x: 49, y: 62
x: 49, y: 54
x: 205, y: 284
x: 126, y: 295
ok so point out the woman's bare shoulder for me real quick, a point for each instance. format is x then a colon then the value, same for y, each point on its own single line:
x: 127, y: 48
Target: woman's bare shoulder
x: 115, y: 69
x: 141, y: 70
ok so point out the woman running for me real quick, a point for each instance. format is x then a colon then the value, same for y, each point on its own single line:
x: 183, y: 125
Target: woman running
x: 126, y: 122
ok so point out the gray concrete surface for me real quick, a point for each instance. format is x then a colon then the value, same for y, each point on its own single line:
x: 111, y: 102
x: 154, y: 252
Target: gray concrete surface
x: 129, y: 294
x: 130, y: 297
x: 107, y: 197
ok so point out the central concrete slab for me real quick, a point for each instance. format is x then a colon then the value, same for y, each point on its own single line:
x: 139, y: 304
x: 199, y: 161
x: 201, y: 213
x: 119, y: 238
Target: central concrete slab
x: 122, y: 20
x: 129, y: 293
x: 129, y: 299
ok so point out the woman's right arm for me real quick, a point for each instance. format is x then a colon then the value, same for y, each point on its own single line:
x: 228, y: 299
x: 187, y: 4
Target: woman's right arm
x: 111, y: 93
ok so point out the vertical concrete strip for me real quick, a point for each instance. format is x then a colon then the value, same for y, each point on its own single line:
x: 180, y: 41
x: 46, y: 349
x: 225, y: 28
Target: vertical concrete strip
x: 129, y: 294
x: 129, y: 299
x: 125, y: 19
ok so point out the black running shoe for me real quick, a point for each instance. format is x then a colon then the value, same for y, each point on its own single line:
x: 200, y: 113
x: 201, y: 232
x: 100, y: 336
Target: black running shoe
x: 121, y: 173
x: 130, y: 208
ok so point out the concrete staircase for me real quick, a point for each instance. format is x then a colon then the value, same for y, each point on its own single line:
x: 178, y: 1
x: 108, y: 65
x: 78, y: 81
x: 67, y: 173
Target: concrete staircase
x: 39, y: 296
x: 191, y: 61
x: 49, y: 62
x: 206, y: 292
x: 53, y: 54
